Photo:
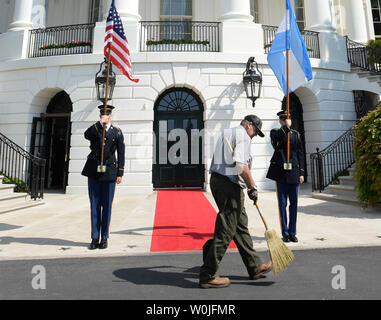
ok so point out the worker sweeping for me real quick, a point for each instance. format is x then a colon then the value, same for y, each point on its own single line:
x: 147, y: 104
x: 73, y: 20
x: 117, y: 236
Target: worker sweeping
x: 230, y: 175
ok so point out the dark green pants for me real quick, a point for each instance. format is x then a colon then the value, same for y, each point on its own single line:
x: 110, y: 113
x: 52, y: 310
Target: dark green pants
x: 231, y: 224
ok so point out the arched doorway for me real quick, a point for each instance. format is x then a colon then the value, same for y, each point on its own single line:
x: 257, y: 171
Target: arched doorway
x: 365, y: 102
x: 296, y: 115
x: 51, y: 140
x: 178, y: 144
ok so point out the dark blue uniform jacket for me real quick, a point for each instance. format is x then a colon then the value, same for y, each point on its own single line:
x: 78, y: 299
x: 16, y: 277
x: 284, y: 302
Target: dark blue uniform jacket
x: 279, y: 141
x: 114, y: 142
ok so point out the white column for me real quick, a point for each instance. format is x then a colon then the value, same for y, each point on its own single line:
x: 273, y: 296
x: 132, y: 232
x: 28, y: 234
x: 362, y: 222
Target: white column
x: 319, y: 15
x: 355, y: 20
x: 127, y: 9
x: 22, y: 16
x: 319, y: 18
x: 129, y: 13
x: 238, y: 28
x: 235, y: 10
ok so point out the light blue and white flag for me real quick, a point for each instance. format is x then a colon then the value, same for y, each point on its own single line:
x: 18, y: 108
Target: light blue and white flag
x: 288, y: 37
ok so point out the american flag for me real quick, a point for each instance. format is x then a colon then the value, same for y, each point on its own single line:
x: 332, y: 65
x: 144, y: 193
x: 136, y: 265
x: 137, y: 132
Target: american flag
x: 117, y: 43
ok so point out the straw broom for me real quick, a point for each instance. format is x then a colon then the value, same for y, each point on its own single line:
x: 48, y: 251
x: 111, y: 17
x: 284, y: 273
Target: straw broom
x: 280, y: 255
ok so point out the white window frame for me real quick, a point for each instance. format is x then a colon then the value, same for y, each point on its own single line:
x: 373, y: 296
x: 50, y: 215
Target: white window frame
x: 377, y: 36
x: 177, y: 17
x: 304, y: 14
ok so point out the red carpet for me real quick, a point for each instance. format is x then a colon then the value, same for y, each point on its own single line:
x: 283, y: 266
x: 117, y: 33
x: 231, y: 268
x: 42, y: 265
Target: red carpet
x: 184, y: 220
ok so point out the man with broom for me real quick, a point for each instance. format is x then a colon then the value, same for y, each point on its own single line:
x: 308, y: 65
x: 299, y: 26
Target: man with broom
x: 230, y: 174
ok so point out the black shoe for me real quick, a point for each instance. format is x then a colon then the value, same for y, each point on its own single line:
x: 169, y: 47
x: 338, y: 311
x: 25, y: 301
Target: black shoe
x: 293, y: 238
x: 94, y: 244
x: 103, y: 244
x: 286, y: 239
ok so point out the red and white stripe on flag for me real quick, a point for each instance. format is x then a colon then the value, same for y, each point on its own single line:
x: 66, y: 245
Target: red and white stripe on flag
x: 116, y: 42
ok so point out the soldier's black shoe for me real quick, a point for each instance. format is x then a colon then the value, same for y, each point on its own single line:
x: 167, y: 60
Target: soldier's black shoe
x: 103, y: 244
x: 94, y: 244
x: 293, y: 238
x: 286, y: 239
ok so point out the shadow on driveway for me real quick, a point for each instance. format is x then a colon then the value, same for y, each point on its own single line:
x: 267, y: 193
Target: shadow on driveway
x: 42, y: 242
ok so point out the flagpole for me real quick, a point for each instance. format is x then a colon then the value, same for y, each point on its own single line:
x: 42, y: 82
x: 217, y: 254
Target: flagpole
x: 288, y: 106
x: 105, y: 106
x: 288, y: 88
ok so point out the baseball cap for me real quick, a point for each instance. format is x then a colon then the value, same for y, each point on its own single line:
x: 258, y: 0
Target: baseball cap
x: 256, y: 123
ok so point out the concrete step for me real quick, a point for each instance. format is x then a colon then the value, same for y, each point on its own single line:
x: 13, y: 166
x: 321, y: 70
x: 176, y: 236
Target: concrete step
x: 7, y: 199
x: 348, y: 180
x: 20, y: 204
x: 346, y: 190
x: 6, y: 189
x: 342, y: 199
x: 374, y: 78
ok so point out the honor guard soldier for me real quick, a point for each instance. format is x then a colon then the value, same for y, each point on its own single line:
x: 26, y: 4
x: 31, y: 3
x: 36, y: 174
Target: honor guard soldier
x: 102, y: 177
x: 287, y: 176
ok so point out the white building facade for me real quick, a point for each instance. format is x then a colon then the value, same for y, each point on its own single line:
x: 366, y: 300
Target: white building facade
x: 48, y: 95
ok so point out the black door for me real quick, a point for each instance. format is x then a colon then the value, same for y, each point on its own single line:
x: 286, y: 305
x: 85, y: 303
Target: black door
x: 59, y: 153
x: 178, y: 141
x: 296, y: 115
x: 50, y: 140
x: 40, y: 138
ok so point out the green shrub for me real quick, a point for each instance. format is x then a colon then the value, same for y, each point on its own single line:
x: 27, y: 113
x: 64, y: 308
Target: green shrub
x: 374, y: 51
x: 21, y: 186
x: 368, y: 158
x: 177, y: 42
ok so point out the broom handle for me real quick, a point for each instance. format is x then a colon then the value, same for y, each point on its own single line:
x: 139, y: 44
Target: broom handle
x: 263, y: 219
x: 229, y: 146
x: 232, y: 151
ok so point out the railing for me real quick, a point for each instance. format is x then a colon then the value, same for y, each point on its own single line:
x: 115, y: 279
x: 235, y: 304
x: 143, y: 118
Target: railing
x: 311, y: 39
x: 179, y: 36
x: 363, y: 57
x: 63, y: 40
x: 326, y: 165
x: 24, y: 170
x: 362, y: 107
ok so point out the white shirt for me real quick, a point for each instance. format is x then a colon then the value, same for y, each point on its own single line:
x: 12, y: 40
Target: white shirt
x: 224, y: 162
x: 108, y: 126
